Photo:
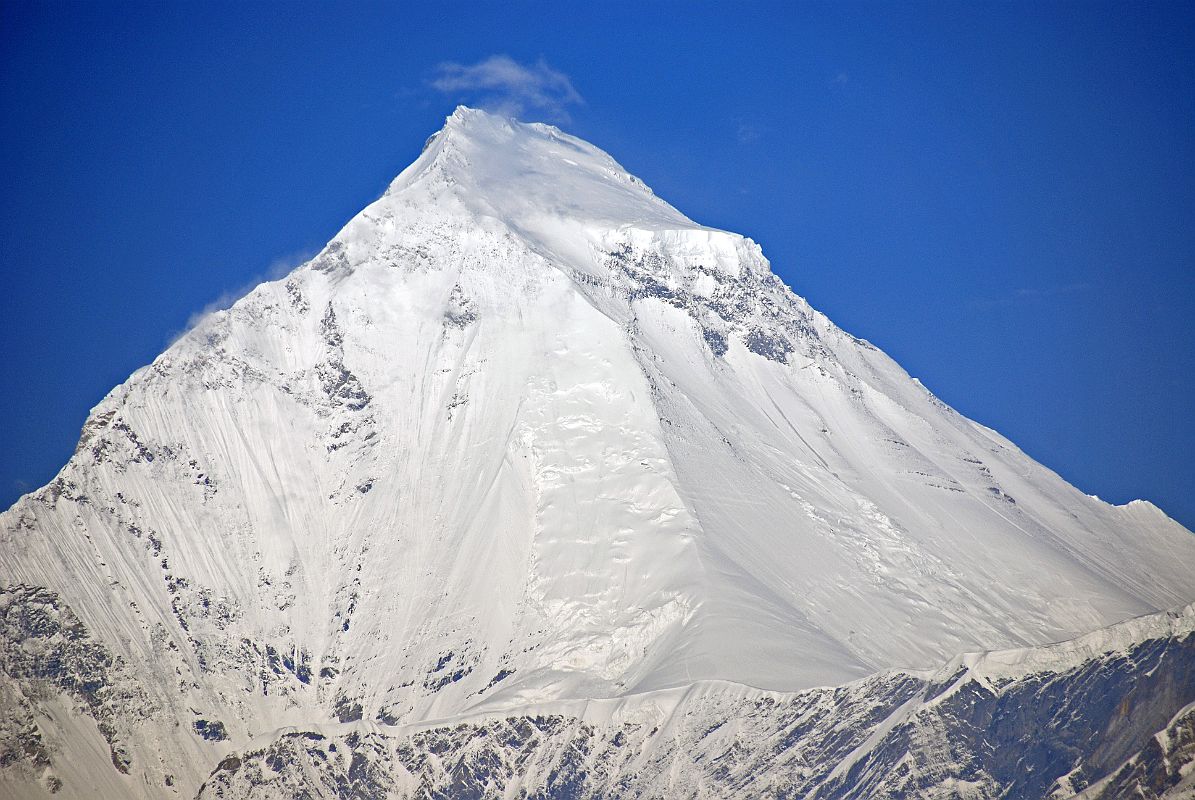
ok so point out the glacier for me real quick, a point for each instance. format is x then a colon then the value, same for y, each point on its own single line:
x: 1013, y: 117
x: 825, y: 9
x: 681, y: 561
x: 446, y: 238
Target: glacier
x: 523, y: 442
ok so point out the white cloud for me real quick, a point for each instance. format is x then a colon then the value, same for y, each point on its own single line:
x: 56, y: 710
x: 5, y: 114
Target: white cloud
x: 748, y: 133
x: 749, y: 129
x: 501, y: 84
x: 1026, y: 295
x: 1055, y: 290
x: 278, y: 269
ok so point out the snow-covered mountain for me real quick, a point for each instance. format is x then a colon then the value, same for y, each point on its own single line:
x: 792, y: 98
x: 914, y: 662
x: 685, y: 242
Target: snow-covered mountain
x: 521, y: 440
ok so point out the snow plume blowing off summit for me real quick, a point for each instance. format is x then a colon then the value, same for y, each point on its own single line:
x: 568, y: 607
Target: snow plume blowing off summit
x: 523, y: 436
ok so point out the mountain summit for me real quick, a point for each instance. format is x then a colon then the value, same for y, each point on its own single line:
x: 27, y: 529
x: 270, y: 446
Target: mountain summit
x: 522, y: 435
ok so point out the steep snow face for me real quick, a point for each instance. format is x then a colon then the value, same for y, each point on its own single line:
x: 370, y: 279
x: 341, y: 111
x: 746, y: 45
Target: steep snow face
x: 520, y: 433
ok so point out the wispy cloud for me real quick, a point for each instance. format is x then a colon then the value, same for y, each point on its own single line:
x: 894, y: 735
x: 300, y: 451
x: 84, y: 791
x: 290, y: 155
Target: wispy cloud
x: 1035, y: 294
x: 503, y: 85
x: 749, y: 129
x: 1040, y: 292
x: 748, y: 133
x: 278, y: 268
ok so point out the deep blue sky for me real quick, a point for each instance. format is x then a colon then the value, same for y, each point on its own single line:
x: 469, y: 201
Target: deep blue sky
x: 1001, y: 196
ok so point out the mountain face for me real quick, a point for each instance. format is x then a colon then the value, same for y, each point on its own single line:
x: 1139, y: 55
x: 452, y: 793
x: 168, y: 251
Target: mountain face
x: 528, y: 485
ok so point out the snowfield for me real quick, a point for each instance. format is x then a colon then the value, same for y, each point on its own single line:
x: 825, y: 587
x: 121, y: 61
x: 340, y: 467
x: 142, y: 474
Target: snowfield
x: 523, y: 442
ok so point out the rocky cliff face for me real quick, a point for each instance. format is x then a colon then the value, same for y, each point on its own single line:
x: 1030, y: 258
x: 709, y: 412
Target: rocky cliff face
x: 523, y: 437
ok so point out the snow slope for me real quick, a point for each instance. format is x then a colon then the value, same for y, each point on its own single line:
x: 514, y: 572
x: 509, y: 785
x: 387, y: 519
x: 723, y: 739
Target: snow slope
x: 523, y: 433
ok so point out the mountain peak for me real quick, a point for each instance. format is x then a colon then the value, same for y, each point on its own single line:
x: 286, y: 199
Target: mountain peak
x: 464, y: 116
x: 565, y: 199
x: 519, y: 172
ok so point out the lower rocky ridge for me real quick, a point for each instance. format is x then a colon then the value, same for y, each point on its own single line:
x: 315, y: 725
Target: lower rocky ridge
x: 1165, y: 766
x: 1109, y: 715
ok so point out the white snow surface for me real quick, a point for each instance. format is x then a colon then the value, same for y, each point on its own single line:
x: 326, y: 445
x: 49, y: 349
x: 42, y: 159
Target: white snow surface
x: 524, y: 433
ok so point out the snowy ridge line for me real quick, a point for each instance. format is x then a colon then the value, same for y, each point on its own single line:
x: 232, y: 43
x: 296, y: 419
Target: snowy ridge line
x: 890, y: 735
x: 985, y: 667
x: 1013, y: 662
